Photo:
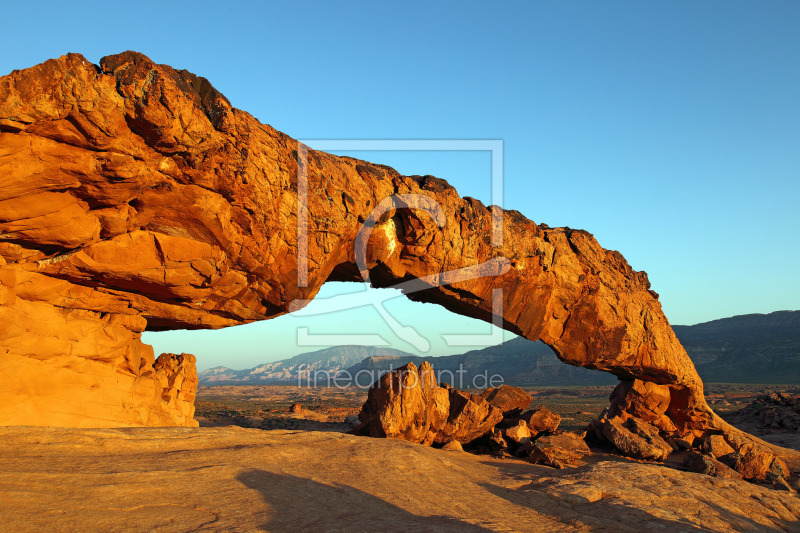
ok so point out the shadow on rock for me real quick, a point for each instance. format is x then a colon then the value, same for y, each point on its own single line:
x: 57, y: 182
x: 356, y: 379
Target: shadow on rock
x: 607, y: 495
x: 743, y: 523
x: 581, y: 512
x: 299, y: 504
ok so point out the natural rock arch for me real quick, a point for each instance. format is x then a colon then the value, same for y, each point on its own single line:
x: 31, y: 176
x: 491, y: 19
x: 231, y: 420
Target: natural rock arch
x: 134, y: 196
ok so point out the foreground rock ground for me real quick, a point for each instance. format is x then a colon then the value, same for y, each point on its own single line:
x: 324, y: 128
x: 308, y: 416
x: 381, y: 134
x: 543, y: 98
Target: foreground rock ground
x: 235, y: 479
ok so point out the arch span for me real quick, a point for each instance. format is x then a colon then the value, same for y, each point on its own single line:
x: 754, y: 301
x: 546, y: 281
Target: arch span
x: 134, y: 196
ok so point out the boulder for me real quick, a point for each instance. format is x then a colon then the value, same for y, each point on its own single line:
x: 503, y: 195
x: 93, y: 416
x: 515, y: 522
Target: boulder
x: 518, y: 434
x: 510, y: 400
x: 469, y: 417
x: 405, y: 404
x: 757, y: 465
x: 644, y: 400
x: 524, y: 450
x: 779, y: 482
x: 177, y: 380
x: 496, y: 441
x: 703, y: 464
x: 770, y: 414
x: 559, y: 450
x: 453, y: 446
x: 715, y: 446
x: 635, y: 438
x: 541, y: 420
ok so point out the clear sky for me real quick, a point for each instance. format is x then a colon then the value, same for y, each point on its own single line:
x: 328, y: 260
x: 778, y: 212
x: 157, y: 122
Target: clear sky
x: 670, y: 130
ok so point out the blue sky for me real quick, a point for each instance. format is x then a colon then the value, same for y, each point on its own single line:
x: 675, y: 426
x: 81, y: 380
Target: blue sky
x: 670, y: 130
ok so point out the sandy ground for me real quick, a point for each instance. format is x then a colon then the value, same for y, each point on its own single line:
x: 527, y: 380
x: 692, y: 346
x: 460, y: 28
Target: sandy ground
x: 237, y: 479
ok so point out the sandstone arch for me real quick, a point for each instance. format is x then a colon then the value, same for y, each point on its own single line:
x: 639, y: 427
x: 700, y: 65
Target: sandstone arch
x: 134, y: 196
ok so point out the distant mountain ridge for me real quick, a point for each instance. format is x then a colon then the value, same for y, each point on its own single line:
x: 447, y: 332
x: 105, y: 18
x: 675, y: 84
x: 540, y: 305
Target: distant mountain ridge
x: 754, y: 348
x: 327, y: 360
x: 518, y: 362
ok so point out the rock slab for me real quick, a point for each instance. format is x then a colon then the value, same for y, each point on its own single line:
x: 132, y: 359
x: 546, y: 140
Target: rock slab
x: 235, y: 479
x: 408, y: 404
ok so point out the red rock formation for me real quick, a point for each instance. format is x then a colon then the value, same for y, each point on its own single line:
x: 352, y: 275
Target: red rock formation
x: 134, y: 196
x: 559, y: 450
x: 541, y: 420
x: 715, y: 446
x: 405, y: 404
x: 518, y: 434
x: 510, y: 400
x: 408, y: 404
x: 635, y: 438
x: 469, y: 417
x: 642, y: 399
x: 703, y: 464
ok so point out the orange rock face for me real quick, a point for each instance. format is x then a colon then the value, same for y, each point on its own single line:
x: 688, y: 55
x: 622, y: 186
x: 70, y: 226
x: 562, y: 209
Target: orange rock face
x: 405, y: 404
x: 408, y: 404
x: 133, y: 197
x: 469, y: 417
x: 541, y: 420
x: 559, y: 450
x: 510, y: 400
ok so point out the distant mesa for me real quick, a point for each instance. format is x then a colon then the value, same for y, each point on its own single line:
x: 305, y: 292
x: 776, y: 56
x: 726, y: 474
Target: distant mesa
x: 134, y: 197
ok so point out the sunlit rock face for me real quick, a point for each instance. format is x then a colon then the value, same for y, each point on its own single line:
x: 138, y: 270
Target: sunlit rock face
x: 134, y: 196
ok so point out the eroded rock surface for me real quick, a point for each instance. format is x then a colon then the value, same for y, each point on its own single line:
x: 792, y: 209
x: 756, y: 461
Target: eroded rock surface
x: 134, y: 196
x: 559, y: 450
x: 510, y: 400
x: 235, y: 479
x: 408, y: 404
x: 635, y: 438
x: 703, y: 464
x: 541, y: 420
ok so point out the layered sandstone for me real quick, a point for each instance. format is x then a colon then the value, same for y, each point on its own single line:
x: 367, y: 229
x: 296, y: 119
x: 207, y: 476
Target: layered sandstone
x: 134, y: 196
x: 408, y: 404
x: 235, y: 479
